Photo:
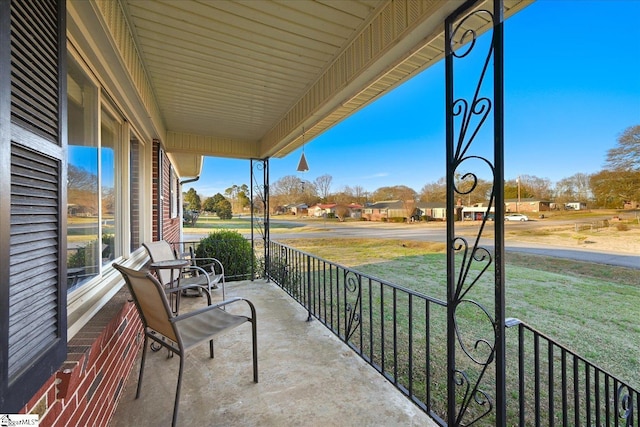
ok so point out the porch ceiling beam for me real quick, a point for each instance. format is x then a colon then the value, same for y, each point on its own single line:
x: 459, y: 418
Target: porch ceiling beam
x: 207, y: 145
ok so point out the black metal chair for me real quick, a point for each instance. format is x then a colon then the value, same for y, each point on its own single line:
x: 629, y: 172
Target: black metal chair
x: 183, y: 332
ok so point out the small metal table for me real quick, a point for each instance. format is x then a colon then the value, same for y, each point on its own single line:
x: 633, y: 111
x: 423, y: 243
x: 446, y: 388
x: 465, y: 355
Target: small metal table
x: 173, y: 265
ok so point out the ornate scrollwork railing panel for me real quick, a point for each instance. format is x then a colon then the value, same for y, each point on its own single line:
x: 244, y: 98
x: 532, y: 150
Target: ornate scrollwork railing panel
x: 352, y: 294
x: 475, y: 285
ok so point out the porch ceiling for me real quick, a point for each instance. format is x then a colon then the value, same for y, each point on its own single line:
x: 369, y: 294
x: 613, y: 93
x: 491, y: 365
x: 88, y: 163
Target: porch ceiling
x: 242, y: 79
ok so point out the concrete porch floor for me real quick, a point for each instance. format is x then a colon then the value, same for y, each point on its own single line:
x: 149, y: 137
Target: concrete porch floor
x: 308, y: 377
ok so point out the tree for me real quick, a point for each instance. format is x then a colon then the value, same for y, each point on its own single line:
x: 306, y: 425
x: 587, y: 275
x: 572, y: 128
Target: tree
x: 291, y: 189
x: 209, y: 204
x: 223, y: 209
x: 471, y: 191
x: 611, y: 189
x: 355, y: 194
x: 396, y: 192
x: 342, y: 211
x: 513, y: 190
x: 323, y: 186
x: 238, y: 196
x: 539, y: 188
x: 574, y: 188
x: 435, y: 191
x: 217, y: 198
x: 82, y: 190
x: 213, y: 203
x: 192, y: 200
x: 626, y: 155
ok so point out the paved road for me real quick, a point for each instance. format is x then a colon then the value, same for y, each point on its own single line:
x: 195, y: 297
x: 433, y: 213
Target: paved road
x: 437, y: 233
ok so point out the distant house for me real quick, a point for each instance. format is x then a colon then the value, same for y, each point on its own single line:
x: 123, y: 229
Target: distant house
x: 631, y: 204
x: 575, y: 206
x: 527, y: 205
x: 431, y: 211
x: 477, y: 212
x: 355, y: 210
x: 322, y: 209
x: 381, y: 211
x: 352, y: 210
x: 297, y: 208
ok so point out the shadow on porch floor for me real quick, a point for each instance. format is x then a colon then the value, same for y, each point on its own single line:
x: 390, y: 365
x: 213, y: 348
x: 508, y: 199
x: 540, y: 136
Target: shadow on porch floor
x: 308, y: 377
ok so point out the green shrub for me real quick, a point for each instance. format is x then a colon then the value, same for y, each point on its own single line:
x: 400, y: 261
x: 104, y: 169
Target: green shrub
x: 397, y: 219
x: 233, y: 251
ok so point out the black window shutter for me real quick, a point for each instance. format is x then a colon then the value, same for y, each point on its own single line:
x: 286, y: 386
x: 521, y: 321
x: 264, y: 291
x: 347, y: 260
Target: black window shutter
x: 33, y: 316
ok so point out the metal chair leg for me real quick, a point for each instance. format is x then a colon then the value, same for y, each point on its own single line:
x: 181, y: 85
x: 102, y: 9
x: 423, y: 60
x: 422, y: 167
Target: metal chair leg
x: 144, y: 356
x: 177, y: 402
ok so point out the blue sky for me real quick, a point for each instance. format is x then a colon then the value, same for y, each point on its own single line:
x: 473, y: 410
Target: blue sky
x: 572, y: 86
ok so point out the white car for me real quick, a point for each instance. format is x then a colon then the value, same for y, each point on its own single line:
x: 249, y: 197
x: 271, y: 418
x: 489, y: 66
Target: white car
x: 516, y: 217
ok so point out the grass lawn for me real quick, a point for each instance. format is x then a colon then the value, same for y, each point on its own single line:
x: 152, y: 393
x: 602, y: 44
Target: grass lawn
x: 592, y: 309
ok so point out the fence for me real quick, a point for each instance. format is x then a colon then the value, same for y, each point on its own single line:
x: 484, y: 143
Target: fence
x: 402, y: 334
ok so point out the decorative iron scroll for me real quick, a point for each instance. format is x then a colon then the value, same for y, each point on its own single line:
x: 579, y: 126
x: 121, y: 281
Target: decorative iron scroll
x: 260, y: 194
x: 352, y: 287
x: 625, y: 405
x: 471, y: 395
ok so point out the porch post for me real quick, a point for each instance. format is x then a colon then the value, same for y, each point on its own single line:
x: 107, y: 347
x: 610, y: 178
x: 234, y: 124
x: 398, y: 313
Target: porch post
x: 260, y: 191
x: 498, y: 188
x: 475, y: 331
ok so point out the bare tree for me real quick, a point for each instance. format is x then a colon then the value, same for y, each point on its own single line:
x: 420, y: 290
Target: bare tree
x: 82, y: 187
x: 574, y: 188
x: 435, y: 191
x: 355, y: 194
x: 626, y: 155
x: 323, y: 186
x: 291, y: 189
x: 538, y: 187
x: 359, y: 194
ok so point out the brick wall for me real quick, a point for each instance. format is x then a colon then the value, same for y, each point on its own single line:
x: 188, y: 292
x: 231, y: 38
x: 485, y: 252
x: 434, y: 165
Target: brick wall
x: 86, y: 389
x: 170, y: 226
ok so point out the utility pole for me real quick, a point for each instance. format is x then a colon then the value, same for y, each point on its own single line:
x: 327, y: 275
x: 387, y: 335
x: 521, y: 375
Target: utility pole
x: 518, y: 204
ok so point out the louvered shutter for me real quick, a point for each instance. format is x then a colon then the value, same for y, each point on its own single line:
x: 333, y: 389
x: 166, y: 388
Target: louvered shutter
x: 32, y: 197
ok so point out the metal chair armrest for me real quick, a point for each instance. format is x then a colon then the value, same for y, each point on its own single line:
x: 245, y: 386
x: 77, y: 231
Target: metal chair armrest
x: 214, y: 306
x: 214, y: 262
x: 185, y: 287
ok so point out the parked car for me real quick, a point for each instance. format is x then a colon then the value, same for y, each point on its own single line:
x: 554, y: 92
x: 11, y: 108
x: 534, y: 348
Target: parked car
x: 516, y: 217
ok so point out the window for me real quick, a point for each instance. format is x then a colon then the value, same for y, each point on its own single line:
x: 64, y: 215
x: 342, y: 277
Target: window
x: 83, y: 220
x: 110, y: 132
x: 94, y: 236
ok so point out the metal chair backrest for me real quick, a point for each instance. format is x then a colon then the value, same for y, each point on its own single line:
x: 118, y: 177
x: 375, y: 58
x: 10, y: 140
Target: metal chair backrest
x: 161, y: 251
x: 151, y: 300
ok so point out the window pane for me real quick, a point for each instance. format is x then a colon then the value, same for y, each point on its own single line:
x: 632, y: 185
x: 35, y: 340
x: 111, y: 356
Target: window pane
x: 82, y: 184
x: 109, y: 134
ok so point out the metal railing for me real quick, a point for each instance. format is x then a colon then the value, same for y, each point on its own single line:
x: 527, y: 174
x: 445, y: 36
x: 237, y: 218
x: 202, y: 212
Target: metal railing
x: 390, y: 327
x: 402, y: 334
x: 555, y: 386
